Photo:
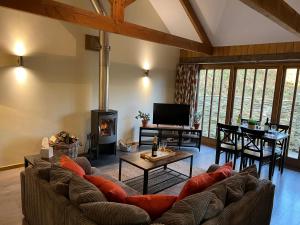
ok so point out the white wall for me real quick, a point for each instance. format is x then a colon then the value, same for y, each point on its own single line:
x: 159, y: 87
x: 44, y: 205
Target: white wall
x: 60, y: 84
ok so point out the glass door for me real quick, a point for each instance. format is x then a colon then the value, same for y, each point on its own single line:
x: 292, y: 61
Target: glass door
x: 254, y: 93
x: 290, y: 110
x: 212, y: 99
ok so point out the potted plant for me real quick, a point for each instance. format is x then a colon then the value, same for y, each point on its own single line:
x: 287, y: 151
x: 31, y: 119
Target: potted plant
x: 197, y: 119
x: 145, y: 117
x: 252, y: 124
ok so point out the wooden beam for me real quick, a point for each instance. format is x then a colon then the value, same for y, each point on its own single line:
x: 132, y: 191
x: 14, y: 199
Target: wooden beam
x: 279, y: 11
x: 117, y: 11
x: 285, y: 57
x: 64, y: 12
x: 127, y: 2
x: 195, y: 21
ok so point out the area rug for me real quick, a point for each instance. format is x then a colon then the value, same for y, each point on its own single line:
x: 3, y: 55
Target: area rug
x: 131, y: 172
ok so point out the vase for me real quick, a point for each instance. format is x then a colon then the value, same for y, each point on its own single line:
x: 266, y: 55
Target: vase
x: 252, y: 126
x: 196, y: 126
x: 144, y: 123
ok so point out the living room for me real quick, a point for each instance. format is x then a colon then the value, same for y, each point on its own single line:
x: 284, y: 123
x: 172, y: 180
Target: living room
x: 231, y: 62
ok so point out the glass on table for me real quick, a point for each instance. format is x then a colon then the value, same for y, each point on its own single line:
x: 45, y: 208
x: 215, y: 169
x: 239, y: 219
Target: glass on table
x: 273, y: 128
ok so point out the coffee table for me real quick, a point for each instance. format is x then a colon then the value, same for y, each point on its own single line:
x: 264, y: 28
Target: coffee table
x: 157, y: 170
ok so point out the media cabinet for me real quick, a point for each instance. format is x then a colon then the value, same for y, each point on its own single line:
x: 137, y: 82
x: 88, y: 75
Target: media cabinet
x: 174, y: 136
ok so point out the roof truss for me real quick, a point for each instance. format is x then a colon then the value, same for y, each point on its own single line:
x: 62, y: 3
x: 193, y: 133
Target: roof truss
x: 64, y: 12
x: 278, y: 11
x: 195, y: 21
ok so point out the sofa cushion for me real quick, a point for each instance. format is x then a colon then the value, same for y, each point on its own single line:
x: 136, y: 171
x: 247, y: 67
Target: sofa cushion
x: 71, y: 165
x: 192, y: 210
x: 82, y: 191
x: 129, y: 191
x: 233, y: 188
x: 154, y: 205
x: 251, y: 170
x: 115, y: 213
x: 112, y: 191
x: 85, y: 164
x: 201, y: 182
x: 59, y: 180
x: 43, y: 168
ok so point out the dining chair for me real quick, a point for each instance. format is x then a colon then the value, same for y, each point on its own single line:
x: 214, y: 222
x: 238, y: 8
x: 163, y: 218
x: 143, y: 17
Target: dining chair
x: 254, y: 149
x: 280, y: 145
x: 227, y: 142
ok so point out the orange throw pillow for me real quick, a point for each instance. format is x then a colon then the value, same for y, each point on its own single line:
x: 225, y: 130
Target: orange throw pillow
x: 69, y: 164
x: 154, y: 205
x: 201, y: 182
x: 226, y: 169
x: 112, y: 191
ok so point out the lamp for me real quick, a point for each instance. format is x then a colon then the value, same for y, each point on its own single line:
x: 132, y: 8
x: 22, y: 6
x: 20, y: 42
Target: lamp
x: 146, y: 73
x: 11, y: 60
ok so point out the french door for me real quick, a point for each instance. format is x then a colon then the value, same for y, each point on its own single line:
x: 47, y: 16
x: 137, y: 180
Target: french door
x: 254, y: 93
x: 290, y: 111
x: 212, y: 99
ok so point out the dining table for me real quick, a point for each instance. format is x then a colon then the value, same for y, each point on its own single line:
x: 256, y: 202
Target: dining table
x: 272, y: 137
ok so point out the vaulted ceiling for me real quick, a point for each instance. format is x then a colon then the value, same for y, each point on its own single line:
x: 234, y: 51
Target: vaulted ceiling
x: 226, y: 22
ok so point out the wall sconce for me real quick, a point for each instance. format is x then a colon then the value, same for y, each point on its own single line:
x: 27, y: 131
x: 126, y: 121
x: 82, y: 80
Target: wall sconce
x: 11, y: 60
x: 146, y: 73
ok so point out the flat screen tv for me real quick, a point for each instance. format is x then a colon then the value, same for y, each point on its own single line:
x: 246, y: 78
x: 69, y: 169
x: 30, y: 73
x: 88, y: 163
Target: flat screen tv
x: 171, y: 114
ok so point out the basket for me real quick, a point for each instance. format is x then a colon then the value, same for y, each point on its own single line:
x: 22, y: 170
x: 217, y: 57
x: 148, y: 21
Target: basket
x: 70, y: 150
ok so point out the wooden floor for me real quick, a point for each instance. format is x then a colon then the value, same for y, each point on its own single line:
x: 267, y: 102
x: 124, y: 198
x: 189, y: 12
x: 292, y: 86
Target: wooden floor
x: 286, y: 207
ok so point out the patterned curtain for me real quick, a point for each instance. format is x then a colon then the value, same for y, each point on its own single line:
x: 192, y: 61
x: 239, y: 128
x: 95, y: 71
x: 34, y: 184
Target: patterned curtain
x: 186, y: 86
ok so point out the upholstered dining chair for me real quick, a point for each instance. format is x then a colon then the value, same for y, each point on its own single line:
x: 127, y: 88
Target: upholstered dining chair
x: 227, y: 142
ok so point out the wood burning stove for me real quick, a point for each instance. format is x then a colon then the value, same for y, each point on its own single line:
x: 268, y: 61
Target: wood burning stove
x: 104, y: 130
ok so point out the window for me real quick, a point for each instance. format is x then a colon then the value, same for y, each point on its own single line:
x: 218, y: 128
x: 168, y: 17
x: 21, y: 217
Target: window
x: 254, y: 94
x: 212, y: 98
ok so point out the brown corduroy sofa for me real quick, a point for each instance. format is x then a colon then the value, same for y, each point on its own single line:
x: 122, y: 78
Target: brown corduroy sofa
x: 55, y: 196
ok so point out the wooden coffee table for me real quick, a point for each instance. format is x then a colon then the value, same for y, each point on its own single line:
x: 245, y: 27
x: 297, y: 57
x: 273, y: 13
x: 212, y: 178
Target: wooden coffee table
x: 159, y: 168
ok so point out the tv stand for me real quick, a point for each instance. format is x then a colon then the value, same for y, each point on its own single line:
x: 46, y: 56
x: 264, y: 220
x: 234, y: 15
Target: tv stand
x: 175, y: 136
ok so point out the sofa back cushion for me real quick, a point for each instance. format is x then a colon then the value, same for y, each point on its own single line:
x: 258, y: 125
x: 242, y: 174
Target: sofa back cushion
x: 59, y: 180
x: 192, y: 210
x: 154, y: 205
x: 112, y: 191
x: 111, y: 213
x: 71, y: 165
x: 82, y: 191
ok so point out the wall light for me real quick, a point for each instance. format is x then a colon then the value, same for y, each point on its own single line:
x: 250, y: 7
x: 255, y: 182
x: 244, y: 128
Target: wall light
x: 146, y: 73
x: 21, y: 74
x: 11, y: 60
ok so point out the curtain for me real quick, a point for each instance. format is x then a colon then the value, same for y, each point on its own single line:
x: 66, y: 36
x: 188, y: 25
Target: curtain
x: 186, y: 86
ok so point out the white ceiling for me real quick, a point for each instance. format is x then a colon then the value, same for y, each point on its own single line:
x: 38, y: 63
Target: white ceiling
x: 227, y: 22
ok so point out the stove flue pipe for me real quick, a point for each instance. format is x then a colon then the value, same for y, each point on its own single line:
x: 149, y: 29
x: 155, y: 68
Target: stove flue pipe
x: 104, y: 51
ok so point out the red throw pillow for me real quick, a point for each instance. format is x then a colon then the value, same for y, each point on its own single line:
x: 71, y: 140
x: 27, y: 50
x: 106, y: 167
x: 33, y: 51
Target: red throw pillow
x: 112, y: 191
x: 69, y: 164
x: 226, y: 169
x: 201, y: 182
x: 154, y: 205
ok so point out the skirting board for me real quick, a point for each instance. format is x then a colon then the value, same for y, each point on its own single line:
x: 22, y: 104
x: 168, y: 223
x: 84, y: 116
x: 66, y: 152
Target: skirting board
x: 11, y: 166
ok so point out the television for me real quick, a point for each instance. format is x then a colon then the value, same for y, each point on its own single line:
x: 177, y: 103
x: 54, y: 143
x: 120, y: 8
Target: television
x: 171, y: 114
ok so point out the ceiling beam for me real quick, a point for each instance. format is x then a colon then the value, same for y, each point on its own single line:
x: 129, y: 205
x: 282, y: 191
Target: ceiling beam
x: 195, y: 21
x: 278, y: 11
x: 117, y: 10
x: 64, y: 12
x: 127, y: 2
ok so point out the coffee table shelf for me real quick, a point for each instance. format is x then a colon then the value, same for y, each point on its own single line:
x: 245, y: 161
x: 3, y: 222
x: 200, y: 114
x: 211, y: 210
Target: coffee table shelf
x: 166, y: 177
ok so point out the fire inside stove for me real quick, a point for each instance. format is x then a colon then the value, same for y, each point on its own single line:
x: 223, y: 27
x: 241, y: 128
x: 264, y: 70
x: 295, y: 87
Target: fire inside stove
x: 105, y: 127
